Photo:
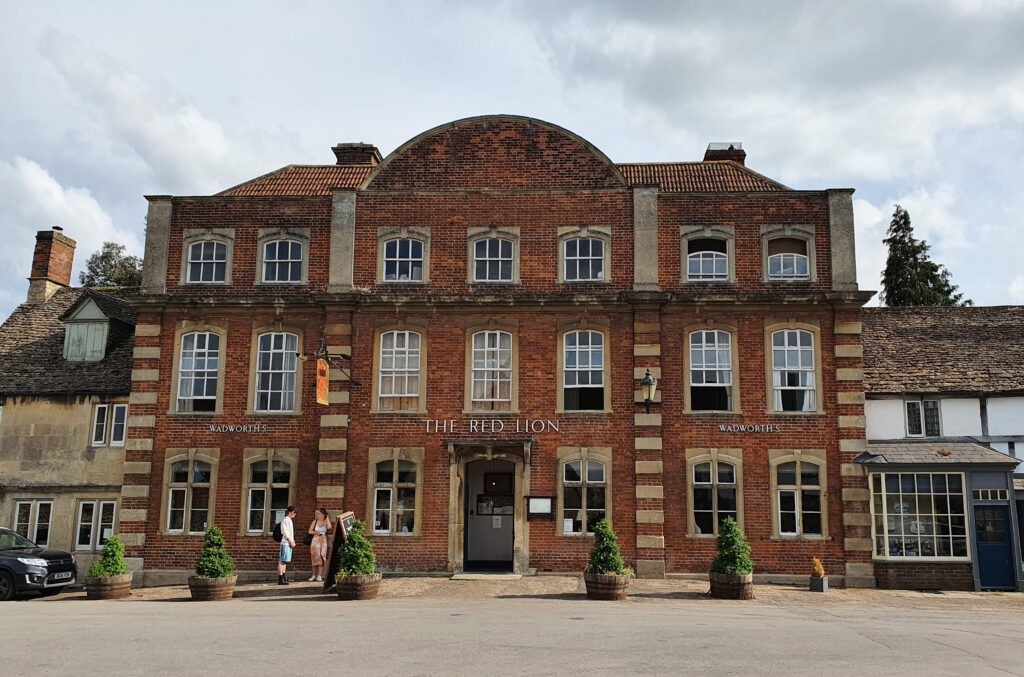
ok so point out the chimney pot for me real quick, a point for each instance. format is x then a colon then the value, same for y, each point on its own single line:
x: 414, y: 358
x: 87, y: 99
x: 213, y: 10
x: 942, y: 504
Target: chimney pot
x: 51, y: 264
x: 725, y: 150
x: 357, y: 154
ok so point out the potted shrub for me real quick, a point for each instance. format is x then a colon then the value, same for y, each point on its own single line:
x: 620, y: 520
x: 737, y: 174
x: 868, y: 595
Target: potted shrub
x: 108, y: 577
x: 732, y: 571
x: 215, y: 570
x: 606, y: 576
x: 819, y: 581
x: 357, y: 566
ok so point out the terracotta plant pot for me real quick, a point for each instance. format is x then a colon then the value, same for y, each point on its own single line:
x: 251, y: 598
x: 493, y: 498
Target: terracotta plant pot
x: 364, y: 586
x: 731, y: 586
x: 819, y: 584
x: 212, y: 589
x: 108, y: 587
x: 606, y: 586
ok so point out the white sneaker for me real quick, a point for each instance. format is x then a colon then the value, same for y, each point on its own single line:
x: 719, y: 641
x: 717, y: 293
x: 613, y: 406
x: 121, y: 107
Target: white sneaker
x: 313, y: 578
x: 319, y: 579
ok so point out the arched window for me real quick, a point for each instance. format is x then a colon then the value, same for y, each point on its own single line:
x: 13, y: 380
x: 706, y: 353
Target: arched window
x: 198, y: 371
x: 583, y: 495
x: 798, y: 497
x: 394, y: 497
x: 584, y: 259
x: 282, y: 261
x: 707, y: 260
x: 793, y: 375
x: 491, y: 386
x: 492, y: 260
x: 188, y: 496
x: 276, y: 365
x: 583, y: 371
x: 207, y: 261
x: 403, y: 260
x: 710, y: 370
x: 399, y: 371
x: 787, y: 259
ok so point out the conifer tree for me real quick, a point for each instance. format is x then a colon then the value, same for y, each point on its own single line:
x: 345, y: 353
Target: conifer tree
x: 910, y: 277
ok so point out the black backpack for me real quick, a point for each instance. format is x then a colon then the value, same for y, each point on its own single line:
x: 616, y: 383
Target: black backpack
x: 277, y: 532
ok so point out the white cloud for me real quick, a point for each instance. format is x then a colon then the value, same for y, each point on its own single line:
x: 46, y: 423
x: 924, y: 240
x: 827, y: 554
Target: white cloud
x: 1017, y: 289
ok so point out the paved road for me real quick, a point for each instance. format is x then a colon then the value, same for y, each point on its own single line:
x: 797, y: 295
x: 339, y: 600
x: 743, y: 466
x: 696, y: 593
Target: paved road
x: 562, y: 634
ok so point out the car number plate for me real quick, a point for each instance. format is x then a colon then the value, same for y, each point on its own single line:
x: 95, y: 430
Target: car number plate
x: 61, y: 575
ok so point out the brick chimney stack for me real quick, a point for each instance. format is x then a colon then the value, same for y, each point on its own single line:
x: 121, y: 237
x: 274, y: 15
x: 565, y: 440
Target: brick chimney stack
x: 357, y: 154
x: 728, y: 150
x: 51, y: 264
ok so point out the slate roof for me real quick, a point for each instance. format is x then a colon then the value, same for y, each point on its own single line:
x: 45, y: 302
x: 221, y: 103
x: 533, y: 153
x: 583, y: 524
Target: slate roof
x: 32, y: 347
x: 943, y: 350
x: 715, y: 176
x: 931, y: 453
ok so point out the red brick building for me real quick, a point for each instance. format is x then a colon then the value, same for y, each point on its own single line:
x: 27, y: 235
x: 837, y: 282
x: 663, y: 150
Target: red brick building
x: 501, y: 288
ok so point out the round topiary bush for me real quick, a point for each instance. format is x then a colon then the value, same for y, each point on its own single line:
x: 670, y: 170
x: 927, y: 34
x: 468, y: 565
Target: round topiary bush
x: 355, y: 556
x: 733, y: 550
x: 111, y: 561
x: 214, y: 561
x: 605, y: 557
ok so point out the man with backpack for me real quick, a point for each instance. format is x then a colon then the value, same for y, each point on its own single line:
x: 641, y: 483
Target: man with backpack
x: 285, y: 533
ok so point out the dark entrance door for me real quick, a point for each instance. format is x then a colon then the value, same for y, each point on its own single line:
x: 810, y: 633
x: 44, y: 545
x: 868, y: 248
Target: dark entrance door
x: 995, y: 546
x: 490, y: 505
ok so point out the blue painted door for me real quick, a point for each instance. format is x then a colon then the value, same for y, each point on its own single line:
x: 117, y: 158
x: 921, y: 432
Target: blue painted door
x: 995, y: 547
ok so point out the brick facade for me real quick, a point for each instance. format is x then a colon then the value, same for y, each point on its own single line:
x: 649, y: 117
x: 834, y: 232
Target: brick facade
x: 537, y: 182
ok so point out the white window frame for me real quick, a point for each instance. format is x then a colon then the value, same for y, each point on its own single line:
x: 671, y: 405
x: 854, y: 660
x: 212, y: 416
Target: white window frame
x: 591, y: 371
x: 882, y: 517
x: 32, y: 525
x: 200, y: 246
x: 268, y: 519
x: 190, y: 376
x: 393, y: 374
x: 583, y: 484
x: 187, y: 487
x: 573, y: 262
x: 100, y: 417
x: 397, y: 259
x: 797, y: 490
x: 499, y: 259
x: 491, y: 374
x: 721, y: 374
x: 392, y: 488
x: 921, y: 418
x: 117, y: 437
x: 705, y: 256
x: 795, y: 260
x: 714, y: 484
x: 95, y: 525
x: 289, y: 262
x: 804, y: 372
x: 289, y: 395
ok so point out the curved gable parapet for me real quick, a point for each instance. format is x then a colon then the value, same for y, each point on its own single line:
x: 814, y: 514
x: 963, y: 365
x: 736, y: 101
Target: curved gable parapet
x: 502, y: 152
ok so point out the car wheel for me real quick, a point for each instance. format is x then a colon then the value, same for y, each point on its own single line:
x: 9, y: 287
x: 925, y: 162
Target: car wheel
x: 6, y: 586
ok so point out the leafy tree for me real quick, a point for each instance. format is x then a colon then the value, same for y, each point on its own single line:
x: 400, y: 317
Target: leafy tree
x: 356, y: 556
x: 111, y: 267
x: 604, y: 556
x: 733, y: 551
x: 111, y: 561
x: 214, y: 561
x: 910, y: 277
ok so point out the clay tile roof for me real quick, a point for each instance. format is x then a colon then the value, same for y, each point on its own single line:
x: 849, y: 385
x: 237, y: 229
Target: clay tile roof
x: 32, y: 347
x: 932, y: 453
x: 936, y: 350
x: 717, y: 176
x: 301, y: 180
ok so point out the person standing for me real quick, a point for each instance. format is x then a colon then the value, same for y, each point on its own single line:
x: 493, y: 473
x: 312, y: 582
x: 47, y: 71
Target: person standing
x: 318, y: 548
x: 287, y: 545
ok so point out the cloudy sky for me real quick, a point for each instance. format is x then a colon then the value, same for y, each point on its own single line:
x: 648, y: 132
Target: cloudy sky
x: 909, y: 102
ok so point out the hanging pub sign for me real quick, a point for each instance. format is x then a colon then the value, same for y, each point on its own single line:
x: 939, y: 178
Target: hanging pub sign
x: 323, y: 380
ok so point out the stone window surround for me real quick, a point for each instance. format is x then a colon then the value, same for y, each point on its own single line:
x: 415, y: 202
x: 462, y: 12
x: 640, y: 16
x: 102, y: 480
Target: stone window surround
x: 716, y: 232
x: 777, y: 457
x: 565, y: 454
x: 512, y: 327
x: 603, y: 233
x: 803, y: 232
x: 191, y: 236
x: 418, y: 326
x: 187, y: 327
x: 98, y: 502
x: 705, y: 455
x: 776, y: 324
x: 385, y: 233
x: 267, y: 235
x: 734, y: 394
x: 601, y: 326
x: 257, y: 331
x: 375, y: 455
x: 269, y: 454
x: 209, y: 455
x: 477, y: 233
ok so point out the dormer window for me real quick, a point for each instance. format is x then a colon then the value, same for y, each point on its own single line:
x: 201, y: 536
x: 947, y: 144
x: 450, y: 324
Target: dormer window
x: 787, y: 259
x: 85, y: 333
x: 707, y: 260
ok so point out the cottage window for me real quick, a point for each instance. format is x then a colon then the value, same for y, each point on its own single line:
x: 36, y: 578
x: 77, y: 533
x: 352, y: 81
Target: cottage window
x: 798, y: 486
x: 394, y: 497
x: 32, y: 520
x: 919, y: 515
x: 491, y: 385
x: 923, y: 418
x: 188, y: 496
x: 793, y: 375
x: 707, y: 260
x: 399, y: 371
x: 583, y: 496
x: 787, y: 259
x: 95, y: 524
x: 268, y: 491
x: 282, y: 261
x: 710, y: 370
x: 207, y: 262
x: 198, y: 372
x: 492, y: 260
x: 276, y: 366
x: 403, y: 260
x: 583, y: 371
x: 714, y: 495
x: 99, y: 425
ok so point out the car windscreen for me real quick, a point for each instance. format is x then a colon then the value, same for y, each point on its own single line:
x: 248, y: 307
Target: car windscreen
x: 11, y: 540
